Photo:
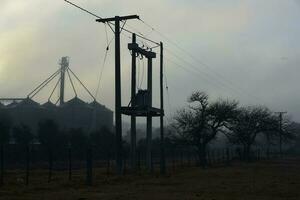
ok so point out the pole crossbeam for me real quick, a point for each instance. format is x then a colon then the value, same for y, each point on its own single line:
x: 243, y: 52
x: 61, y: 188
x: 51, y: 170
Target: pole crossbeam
x: 135, y: 47
x: 121, y: 18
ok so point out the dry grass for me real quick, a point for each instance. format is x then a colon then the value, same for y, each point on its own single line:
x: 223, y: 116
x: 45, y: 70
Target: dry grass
x: 264, y: 180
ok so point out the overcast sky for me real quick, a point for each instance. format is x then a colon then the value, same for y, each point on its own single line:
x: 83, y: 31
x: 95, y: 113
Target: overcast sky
x: 246, y: 50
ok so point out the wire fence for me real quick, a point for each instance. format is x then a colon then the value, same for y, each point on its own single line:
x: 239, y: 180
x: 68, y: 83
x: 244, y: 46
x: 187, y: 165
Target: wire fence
x: 68, y: 160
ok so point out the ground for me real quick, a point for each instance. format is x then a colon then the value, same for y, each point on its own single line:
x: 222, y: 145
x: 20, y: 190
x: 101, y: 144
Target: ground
x: 276, y: 179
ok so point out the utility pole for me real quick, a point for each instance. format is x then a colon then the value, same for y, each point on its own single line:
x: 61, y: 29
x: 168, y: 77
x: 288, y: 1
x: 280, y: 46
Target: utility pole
x: 133, y: 117
x: 118, y: 117
x: 280, y: 131
x: 149, y: 119
x: 162, y: 145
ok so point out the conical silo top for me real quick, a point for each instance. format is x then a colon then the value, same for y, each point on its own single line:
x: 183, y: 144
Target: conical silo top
x: 96, y: 104
x: 75, y: 102
x: 49, y: 105
x: 28, y: 102
x: 12, y: 104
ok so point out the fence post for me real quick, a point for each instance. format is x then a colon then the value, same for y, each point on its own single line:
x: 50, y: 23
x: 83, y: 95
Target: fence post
x: 108, y: 163
x: 208, y: 158
x: 70, y: 161
x: 89, y: 166
x: 173, y: 160
x: 152, y: 163
x: 139, y: 160
x: 189, y: 157
x: 227, y: 157
x: 50, y: 157
x: 124, y: 163
x: 2, y: 164
x: 223, y: 155
x: 27, y: 164
x: 212, y: 157
x: 181, y: 158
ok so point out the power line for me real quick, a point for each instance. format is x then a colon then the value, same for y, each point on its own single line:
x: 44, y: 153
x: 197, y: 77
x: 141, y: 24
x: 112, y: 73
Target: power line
x: 222, y: 83
x: 197, y: 74
x: 142, y: 36
x: 103, y: 63
x: 111, y: 23
x: 143, y: 72
x: 168, y: 95
x: 201, y: 72
x: 208, y: 67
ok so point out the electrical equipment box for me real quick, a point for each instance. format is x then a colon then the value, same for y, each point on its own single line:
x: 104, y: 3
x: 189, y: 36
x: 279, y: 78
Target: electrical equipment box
x: 142, y: 98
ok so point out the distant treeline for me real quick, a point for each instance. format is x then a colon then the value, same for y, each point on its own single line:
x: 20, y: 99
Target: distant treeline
x: 194, y: 127
x: 203, y: 120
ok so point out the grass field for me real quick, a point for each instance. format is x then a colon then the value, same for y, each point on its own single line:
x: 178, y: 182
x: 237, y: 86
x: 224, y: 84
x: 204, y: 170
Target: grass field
x: 277, y: 179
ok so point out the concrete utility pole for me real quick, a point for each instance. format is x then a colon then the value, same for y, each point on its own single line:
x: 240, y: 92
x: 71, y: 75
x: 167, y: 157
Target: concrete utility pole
x: 162, y: 137
x: 118, y: 117
x: 149, y: 119
x: 280, y: 131
x: 133, y: 117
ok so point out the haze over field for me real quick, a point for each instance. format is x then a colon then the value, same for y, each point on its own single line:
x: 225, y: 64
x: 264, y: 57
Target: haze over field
x: 246, y: 50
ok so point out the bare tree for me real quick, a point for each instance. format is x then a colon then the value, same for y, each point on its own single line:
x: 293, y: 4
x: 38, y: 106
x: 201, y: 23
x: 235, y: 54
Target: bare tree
x: 250, y: 122
x: 289, y: 130
x: 287, y: 134
x: 199, y: 124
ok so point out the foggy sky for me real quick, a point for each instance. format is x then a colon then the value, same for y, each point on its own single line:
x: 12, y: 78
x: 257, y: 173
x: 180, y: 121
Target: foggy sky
x: 246, y: 50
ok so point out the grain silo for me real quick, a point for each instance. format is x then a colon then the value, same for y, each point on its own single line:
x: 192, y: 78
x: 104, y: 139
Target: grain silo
x: 27, y: 112
x: 74, y: 113
x: 102, y: 116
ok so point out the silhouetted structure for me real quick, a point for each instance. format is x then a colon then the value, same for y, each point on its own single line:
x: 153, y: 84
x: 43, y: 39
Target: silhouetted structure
x: 74, y: 113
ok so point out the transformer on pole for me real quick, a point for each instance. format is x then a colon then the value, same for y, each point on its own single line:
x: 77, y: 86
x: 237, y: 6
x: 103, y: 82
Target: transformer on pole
x: 141, y: 103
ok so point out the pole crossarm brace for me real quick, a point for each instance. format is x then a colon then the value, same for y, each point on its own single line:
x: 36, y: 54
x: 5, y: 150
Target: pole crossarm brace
x: 135, y: 47
x: 121, y: 18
